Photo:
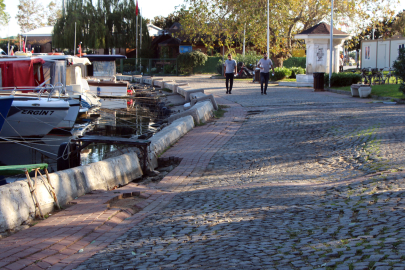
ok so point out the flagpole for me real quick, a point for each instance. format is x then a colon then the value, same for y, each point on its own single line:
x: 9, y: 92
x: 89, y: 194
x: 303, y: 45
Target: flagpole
x: 74, y: 48
x: 140, y: 42
x: 136, y: 40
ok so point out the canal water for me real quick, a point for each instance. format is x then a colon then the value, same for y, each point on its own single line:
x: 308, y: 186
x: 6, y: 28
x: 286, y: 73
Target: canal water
x: 116, y: 117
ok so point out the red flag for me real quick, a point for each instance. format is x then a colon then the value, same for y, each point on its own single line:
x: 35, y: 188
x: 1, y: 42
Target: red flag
x: 136, y: 8
x: 23, y: 45
x: 12, y: 52
x: 32, y: 51
x: 80, y: 50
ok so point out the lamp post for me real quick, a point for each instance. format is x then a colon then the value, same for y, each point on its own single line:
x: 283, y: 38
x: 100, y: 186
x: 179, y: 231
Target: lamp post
x: 268, y: 31
x: 331, y: 42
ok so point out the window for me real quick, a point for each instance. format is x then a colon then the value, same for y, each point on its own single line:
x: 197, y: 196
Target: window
x: 367, y: 52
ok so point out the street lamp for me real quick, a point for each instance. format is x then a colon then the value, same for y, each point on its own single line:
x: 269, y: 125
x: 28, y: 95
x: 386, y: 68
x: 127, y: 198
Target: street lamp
x: 331, y: 42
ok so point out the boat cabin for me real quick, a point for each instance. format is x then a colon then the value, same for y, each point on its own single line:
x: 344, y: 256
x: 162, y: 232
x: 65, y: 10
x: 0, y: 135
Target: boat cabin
x: 21, y: 72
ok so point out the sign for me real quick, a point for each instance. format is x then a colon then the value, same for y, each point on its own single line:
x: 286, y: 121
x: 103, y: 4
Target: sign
x: 320, y: 54
x: 185, y: 48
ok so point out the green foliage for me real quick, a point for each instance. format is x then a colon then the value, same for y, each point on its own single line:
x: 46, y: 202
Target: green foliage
x: 399, y: 68
x: 4, y: 16
x: 295, y: 71
x: 187, y: 61
x: 295, y: 62
x: 280, y: 73
x: 249, y: 59
x: 108, y: 24
x: 342, y: 79
x: 210, y: 66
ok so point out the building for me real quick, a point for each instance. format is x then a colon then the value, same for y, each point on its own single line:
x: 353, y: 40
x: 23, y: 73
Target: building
x: 154, y: 31
x: 381, y: 53
x: 39, y: 39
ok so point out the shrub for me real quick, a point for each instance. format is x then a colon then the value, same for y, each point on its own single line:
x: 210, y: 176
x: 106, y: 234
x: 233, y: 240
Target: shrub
x: 187, y: 61
x: 280, y: 73
x: 399, y: 68
x: 295, y: 71
x: 342, y: 79
x: 295, y: 62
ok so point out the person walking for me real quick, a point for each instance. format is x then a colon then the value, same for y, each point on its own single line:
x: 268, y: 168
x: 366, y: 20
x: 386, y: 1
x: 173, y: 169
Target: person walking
x: 264, y: 65
x: 230, y: 70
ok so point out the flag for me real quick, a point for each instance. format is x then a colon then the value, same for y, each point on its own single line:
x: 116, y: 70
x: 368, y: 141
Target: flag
x: 80, y: 50
x: 136, y: 8
x: 32, y: 51
x: 23, y: 46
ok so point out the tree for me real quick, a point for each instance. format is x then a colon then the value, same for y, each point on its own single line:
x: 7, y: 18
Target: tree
x: 167, y: 22
x: 222, y: 22
x: 399, y: 68
x: 30, y: 15
x: 108, y: 24
x: 187, y: 61
x: 4, y: 16
x: 383, y: 28
x: 54, y: 13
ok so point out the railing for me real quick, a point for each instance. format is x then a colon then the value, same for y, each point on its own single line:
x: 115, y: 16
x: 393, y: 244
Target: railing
x: 148, y: 66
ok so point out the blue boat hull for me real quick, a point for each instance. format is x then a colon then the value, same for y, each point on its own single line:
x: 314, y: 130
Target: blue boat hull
x: 5, y: 105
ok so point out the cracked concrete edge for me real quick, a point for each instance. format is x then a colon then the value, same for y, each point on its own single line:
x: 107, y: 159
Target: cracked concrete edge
x: 17, y: 205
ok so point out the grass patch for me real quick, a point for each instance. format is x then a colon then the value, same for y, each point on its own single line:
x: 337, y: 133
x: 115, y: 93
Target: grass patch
x: 383, y: 90
x: 220, y: 112
x: 288, y: 80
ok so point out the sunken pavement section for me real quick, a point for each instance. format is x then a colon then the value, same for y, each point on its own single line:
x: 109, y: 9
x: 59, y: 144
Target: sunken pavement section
x: 291, y: 180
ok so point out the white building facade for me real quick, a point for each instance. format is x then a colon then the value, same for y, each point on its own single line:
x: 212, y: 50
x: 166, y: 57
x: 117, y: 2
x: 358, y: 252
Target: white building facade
x: 381, y: 53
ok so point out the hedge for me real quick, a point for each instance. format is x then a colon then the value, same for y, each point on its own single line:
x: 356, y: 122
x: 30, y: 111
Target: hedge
x: 342, y: 79
x: 210, y: 65
x: 295, y: 62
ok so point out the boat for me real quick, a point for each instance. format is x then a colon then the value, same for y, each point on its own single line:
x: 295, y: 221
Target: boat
x: 70, y: 71
x: 101, y: 76
x: 33, y: 117
x: 5, y: 105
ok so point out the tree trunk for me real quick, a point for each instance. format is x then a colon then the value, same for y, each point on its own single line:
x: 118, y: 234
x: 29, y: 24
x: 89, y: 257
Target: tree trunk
x: 278, y: 62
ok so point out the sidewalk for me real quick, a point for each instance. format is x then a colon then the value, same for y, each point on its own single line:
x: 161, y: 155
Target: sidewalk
x: 68, y: 238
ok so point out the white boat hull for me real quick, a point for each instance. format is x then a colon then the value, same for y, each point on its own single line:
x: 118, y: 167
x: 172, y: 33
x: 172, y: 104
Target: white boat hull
x: 109, y: 90
x: 70, y: 119
x: 33, y: 117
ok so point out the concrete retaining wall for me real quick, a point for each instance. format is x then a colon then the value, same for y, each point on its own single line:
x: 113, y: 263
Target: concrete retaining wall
x: 168, y: 136
x: 199, y: 97
x: 185, y: 91
x: 200, y: 112
x: 16, y: 203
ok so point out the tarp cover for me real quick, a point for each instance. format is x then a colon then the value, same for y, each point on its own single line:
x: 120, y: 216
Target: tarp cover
x: 22, y: 72
x: 19, y: 169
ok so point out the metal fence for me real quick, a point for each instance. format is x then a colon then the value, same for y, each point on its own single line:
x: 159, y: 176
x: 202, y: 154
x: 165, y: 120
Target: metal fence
x: 148, y: 66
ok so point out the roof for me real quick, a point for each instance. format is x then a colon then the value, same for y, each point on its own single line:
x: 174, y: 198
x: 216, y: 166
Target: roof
x: 170, y: 42
x: 43, y: 31
x: 153, y: 26
x: 321, y: 29
x: 104, y: 57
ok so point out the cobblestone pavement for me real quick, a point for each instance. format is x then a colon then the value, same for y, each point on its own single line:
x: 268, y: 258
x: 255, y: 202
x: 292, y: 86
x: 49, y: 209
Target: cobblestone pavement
x: 302, y: 181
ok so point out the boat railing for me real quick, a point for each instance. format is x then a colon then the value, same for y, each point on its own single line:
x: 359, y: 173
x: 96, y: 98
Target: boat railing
x: 38, y: 90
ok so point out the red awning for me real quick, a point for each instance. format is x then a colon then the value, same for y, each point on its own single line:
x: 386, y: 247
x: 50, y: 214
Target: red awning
x: 22, y: 72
